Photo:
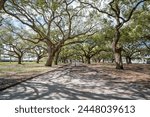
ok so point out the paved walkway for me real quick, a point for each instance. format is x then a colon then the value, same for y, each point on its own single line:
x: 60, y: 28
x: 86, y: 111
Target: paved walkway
x: 77, y: 82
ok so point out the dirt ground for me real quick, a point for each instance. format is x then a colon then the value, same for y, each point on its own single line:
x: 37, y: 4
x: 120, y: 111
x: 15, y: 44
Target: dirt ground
x: 131, y: 72
x: 80, y: 81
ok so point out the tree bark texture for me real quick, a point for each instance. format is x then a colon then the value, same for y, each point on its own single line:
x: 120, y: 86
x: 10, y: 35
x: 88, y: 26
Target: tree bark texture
x: 117, y: 50
x: 118, y: 58
x: 51, y: 55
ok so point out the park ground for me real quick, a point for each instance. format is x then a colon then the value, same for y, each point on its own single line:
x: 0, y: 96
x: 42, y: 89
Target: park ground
x: 74, y: 81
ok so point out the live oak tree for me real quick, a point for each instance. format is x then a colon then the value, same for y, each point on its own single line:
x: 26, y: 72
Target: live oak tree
x: 88, y: 51
x: 92, y: 46
x: 39, y: 51
x: 66, y: 54
x: 131, y: 50
x: 104, y: 56
x: 13, y: 46
x: 119, y: 12
x: 142, y: 26
x: 135, y: 35
x: 132, y: 44
x: 72, y: 53
x: 54, y: 22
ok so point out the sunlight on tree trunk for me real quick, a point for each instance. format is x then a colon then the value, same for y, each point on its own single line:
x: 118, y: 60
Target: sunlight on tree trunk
x: 49, y: 61
x: 51, y: 55
x: 117, y: 50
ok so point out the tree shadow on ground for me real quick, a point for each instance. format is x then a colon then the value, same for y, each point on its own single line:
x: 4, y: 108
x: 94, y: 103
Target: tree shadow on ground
x: 82, y: 85
x: 56, y: 91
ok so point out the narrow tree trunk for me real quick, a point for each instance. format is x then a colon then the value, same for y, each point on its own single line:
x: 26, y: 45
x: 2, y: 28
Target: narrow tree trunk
x: 64, y: 60
x: 56, y: 58
x: 128, y: 60
x: 112, y: 60
x: 118, y: 58
x: 19, y: 60
x: 82, y: 59
x: 88, y: 60
x: 38, y: 59
x: 99, y: 60
x: 56, y: 61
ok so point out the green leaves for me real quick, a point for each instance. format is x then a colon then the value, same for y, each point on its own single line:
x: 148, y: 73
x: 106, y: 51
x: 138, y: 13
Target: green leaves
x: 40, y: 3
x: 55, y: 5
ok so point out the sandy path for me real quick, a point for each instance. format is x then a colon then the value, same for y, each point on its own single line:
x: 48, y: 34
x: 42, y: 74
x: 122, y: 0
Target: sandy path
x: 77, y: 82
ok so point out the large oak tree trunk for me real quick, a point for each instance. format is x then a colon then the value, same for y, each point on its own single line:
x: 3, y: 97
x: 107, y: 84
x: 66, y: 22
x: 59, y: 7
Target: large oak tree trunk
x: 50, y: 59
x: 52, y: 49
x: 117, y: 50
x: 51, y: 55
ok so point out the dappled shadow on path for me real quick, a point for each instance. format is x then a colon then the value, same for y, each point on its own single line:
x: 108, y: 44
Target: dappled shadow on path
x: 75, y: 83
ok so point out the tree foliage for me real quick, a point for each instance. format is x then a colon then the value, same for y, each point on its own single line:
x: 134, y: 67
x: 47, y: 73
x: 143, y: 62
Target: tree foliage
x: 79, y: 29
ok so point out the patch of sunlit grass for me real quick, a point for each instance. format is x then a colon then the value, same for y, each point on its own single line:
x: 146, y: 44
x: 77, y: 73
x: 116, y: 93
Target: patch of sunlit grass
x: 13, y: 68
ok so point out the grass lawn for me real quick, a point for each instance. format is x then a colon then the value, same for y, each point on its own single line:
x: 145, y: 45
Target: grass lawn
x: 26, y: 68
x: 12, y: 73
